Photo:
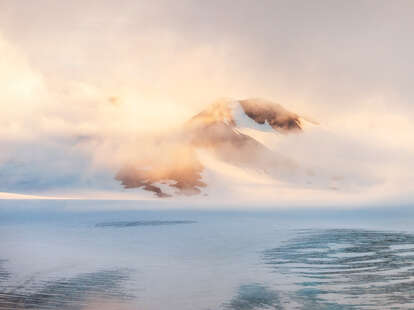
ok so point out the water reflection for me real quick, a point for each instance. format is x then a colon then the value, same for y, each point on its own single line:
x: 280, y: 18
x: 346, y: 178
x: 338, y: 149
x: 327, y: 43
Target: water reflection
x: 68, y: 293
x: 121, y: 224
x: 154, y: 261
x: 348, y: 268
x: 254, y: 296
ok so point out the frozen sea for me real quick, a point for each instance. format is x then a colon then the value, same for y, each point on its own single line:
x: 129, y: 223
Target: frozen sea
x: 68, y: 255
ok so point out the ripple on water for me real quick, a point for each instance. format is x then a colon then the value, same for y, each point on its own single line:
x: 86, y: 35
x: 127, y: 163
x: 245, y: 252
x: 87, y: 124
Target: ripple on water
x: 67, y: 293
x: 4, y: 274
x: 357, y: 269
x: 254, y: 296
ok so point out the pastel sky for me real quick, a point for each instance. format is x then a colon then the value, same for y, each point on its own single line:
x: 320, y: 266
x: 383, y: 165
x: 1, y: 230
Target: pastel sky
x: 85, y: 84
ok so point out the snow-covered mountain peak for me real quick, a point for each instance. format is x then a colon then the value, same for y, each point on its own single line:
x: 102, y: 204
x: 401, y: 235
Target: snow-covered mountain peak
x: 233, y: 132
x: 255, y: 114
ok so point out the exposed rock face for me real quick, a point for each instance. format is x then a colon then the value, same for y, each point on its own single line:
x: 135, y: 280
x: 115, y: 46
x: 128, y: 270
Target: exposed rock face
x: 259, y: 110
x: 179, y: 169
x: 214, y: 129
x: 275, y: 115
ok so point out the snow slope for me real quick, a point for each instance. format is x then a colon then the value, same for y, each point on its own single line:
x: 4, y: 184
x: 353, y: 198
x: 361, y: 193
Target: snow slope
x: 230, y: 139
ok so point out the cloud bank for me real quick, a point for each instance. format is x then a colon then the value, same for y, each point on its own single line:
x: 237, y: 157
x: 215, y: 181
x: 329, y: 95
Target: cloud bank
x: 85, y: 88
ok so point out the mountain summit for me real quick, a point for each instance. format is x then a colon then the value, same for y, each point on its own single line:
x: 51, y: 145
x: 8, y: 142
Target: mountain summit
x: 228, y: 130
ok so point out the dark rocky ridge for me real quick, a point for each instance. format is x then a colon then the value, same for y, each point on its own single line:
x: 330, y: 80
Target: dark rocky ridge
x: 181, y: 167
x: 274, y: 114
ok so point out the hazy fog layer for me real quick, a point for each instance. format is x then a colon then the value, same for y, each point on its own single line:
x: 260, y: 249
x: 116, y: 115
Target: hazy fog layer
x: 88, y: 85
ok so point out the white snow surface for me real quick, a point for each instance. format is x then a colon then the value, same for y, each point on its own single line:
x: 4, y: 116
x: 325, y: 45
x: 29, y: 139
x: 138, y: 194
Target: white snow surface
x: 263, y: 133
x: 243, y: 121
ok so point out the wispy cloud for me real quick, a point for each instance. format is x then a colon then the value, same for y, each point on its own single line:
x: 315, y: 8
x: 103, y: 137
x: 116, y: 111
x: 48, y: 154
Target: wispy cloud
x: 88, y: 87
